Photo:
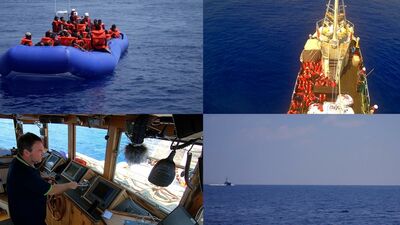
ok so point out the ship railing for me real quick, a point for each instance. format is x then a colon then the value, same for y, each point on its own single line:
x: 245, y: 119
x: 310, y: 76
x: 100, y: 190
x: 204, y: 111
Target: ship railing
x: 365, y: 101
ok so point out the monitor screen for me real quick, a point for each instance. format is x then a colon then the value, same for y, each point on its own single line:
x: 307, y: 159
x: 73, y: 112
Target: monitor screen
x: 102, y: 191
x: 179, y: 216
x: 74, y: 171
x: 51, y: 162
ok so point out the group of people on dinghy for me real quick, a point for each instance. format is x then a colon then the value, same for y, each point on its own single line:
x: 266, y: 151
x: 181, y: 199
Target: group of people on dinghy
x: 78, y: 32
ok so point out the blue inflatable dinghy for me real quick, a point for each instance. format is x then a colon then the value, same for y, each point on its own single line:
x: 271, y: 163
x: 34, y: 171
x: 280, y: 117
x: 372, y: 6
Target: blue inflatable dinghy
x: 61, y: 59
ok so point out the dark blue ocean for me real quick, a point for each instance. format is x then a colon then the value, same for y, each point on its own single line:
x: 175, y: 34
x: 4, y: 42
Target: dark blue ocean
x: 162, y: 72
x: 262, y: 205
x: 252, y: 50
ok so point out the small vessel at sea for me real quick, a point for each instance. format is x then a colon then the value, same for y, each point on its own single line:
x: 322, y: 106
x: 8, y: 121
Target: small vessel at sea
x: 227, y: 182
x: 332, y: 77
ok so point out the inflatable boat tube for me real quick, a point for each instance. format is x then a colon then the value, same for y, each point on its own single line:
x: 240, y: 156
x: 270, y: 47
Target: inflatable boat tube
x: 63, y: 59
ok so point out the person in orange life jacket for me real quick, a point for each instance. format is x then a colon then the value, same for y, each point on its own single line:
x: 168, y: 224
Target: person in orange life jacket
x: 27, y: 190
x: 79, y: 43
x: 81, y: 27
x: 86, y: 19
x: 74, y: 15
x: 88, y: 41
x: 55, y: 39
x: 102, y: 26
x: 47, y: 40
x: 64, y: 33
x: 93, y: 25
x: 70, y: 26
x: 66, y: 39
x: 99, y: 41
x: 114, y: 32
x: 86, y: 32
x: 27, y: 40
x: 56, y: 24
x: 63, y: 24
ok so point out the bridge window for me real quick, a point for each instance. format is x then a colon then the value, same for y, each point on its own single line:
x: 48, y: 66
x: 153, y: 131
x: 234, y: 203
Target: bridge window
x: 58, y: 137
x: 133, y: 175
x: 91, y: 147
x: 32, y: 128
x: 7, y: 135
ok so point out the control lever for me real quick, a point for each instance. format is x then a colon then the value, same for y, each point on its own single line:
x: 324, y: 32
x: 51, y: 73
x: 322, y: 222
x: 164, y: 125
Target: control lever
x: 83, y: 185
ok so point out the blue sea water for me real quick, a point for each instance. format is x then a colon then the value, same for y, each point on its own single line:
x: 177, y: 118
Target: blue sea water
x: 261, y: 205
x: 252, y: 50
x: 162, y: 72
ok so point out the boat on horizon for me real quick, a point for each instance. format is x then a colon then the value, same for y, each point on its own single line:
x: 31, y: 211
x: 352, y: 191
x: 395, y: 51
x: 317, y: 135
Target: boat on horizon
x: 227, y: 182
x: 332, y: 77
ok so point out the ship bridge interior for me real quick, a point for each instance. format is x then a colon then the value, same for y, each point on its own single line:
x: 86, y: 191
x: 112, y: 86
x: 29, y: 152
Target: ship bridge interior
x: 131, y: 169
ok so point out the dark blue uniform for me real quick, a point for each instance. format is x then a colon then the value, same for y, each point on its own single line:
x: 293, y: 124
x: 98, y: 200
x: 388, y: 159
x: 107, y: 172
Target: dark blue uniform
x: 27, y: 192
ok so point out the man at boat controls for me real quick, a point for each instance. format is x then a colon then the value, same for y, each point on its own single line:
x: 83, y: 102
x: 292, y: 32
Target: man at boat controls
x: 27, y: 190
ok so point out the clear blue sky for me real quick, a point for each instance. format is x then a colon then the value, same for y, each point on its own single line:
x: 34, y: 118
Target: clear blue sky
x: 316, y: 150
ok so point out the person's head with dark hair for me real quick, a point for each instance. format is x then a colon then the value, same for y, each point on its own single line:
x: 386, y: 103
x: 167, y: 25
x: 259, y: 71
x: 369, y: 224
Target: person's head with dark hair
x: 62, y: 19
x: 135, y: 154
x: 56, y: 18
x: 48, y: 33
x: 30, y: 148
x: 97, y: 26
x: 95, y: 22
x: 113, y: 27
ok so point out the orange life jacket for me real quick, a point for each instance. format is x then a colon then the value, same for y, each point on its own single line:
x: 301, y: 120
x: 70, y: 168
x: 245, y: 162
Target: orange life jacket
x: 47, y: 41
x: 56, y: 26
x: 99, y: 40
x: 81, y: 27
x: 80, y: 43
x: 88, y: 43
x: 66, y: 41
x: 108, y: 36
x: 114, y: 34
x: 84, y: 34
x: 70, y: 26
x: 26, y: 41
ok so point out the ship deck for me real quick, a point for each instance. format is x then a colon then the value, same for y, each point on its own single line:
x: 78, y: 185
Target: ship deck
x: 348, y: 83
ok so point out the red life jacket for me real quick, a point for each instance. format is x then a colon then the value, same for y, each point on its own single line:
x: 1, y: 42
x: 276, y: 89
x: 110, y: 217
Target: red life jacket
x: 108, y: 36
x: 80, y: 43
x: 26, y: 41
x: 66, y: 41
x: 115, y: 34
x: 47, y: 41
x: 70, y: 26
x: 81, y: 27
x: 84, y: 34
x: 99, y: 40
x: 64, y: 25
x: 87, y: 21
x: 88, y: 43
x: 56, y: 26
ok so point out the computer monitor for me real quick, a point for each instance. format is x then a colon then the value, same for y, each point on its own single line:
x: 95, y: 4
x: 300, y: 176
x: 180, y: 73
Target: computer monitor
x: 102, y: 191
x: 51, y: 162
x: 74, y: 171
x: 179, y: 216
